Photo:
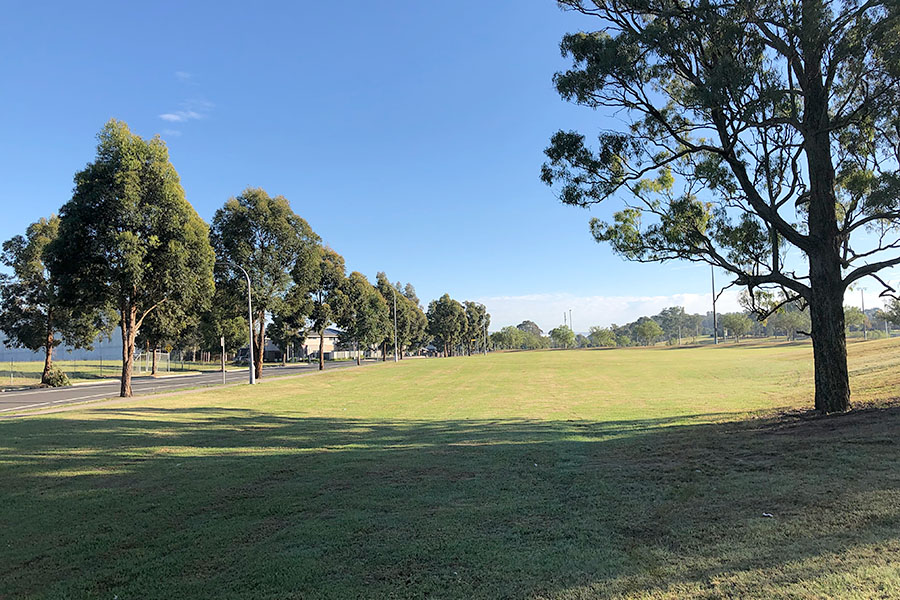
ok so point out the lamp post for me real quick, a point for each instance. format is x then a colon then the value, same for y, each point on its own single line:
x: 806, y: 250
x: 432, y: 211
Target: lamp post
x: 395, y: 323
x: 712, y: 271
x: 249, y: 313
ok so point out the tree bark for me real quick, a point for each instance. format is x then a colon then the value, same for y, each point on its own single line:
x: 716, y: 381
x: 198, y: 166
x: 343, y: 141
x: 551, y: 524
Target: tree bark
x: 128, y: 333
x: 260, y: 344
x: 383, y: 351
x: 48, y: 355
x: 358, y: 361
x: 153, y: 368
x: 322, y: 349
x: 826, y: 311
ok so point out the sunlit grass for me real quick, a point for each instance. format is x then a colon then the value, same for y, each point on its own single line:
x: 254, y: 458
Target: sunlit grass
x: 634, y: 473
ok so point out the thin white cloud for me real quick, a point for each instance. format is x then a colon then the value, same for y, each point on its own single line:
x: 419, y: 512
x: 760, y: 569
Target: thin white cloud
x: 183, y: 76
x: 180, y: 116
x: 192, y: 110
x: 171, y: 132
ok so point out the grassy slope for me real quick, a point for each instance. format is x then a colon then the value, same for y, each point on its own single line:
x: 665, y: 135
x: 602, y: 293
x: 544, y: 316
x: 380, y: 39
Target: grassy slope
x: 629, y: 473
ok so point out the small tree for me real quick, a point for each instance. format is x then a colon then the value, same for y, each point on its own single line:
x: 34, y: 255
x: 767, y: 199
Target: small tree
x: 447, y: 323
x: 364, y: 314
x: 562, y: 337
x: 32, y: 315
x: 129, y: 241
x: 648, y: 331
x: 737, y: 324
x: 601, y: 336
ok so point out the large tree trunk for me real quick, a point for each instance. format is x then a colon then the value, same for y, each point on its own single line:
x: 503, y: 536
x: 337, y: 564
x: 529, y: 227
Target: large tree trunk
x: 322, y: 349
x: 153, y: 368
x: 826, y: 310
x: 383, y: 351
x: 48, y: 355
x: 128, y: 333
x: 826, y: 302
x: 358, y: 361
x: 260, y: 344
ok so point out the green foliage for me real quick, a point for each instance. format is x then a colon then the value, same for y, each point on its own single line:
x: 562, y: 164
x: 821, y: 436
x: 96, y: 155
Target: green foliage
x: 128, y: 240
x: 562, y: 337
x: 32, y: 315
x: 648, y: 331
x: 477, y: 322
x: 364, y: 314
x: 602, y: 336
x: 530, y: 327
x: 736, y: 325
x: 56, y: 378
x: 854, y: 318
x: 447, y: 323
x: 325, y: 282
x: 279, y: 251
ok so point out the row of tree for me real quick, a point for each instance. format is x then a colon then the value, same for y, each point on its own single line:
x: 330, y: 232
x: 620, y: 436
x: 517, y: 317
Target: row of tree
x: 128, y: 250
x: 673, y: 326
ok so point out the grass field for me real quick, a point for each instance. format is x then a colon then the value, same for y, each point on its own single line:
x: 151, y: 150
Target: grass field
x: 634, y: 473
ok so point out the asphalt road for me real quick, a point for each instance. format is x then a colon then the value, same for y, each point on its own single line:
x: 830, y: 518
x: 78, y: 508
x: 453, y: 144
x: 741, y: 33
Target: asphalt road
x: 16, y: 400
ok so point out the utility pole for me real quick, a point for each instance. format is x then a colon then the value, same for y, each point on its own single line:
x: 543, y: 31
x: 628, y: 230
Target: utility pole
x: 564, y: 318
x: 712, y: 271
x: 862, y: 297
x: 485, y: 332
x: 572, y: 327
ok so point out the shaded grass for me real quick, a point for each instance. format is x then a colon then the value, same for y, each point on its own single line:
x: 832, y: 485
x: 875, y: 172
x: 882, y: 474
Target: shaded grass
x: 635, y: 473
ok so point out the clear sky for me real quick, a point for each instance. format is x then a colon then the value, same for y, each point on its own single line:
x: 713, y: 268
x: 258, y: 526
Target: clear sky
x: 409, y: 134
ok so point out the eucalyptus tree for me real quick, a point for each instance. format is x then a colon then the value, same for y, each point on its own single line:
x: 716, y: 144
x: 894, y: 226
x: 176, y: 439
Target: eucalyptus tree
x: 562, y: 337
x: 477, y: 322
x: 265, y: 237
x: 601, y: 336
x: 411, y: 320
x: 31, y: 314
x: 761, y: 137
x: 290, y: 322
x: 129, y: 240
x: 446, y: 323
x: 647, y: 331
x: 737, y: 324
x: 364, y: 314
x: 323, y: 277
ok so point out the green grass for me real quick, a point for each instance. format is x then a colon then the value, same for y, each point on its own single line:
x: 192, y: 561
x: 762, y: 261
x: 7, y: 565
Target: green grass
x: 636, y: 473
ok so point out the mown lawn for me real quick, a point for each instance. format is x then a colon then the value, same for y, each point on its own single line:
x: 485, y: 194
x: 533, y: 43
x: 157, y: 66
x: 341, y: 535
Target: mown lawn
x: 581, y: 474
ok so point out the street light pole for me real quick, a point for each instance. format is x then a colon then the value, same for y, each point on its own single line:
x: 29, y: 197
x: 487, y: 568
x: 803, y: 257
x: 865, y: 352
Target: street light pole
x: 249, y: 314
x: 862, y: 298
x: 712, y: 271
x: 395, y: 323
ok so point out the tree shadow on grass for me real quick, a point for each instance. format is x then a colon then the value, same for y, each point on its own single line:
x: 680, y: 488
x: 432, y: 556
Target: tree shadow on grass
x: 229, y: 503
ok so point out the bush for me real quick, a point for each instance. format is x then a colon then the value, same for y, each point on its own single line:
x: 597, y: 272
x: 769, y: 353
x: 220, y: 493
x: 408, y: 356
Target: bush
x: 57, y: 378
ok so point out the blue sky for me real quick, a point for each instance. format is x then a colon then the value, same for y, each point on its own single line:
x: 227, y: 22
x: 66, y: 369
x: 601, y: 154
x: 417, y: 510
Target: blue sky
x: 408, y: 134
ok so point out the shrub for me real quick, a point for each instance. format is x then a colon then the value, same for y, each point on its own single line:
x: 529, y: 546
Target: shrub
x: 57, y: 378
